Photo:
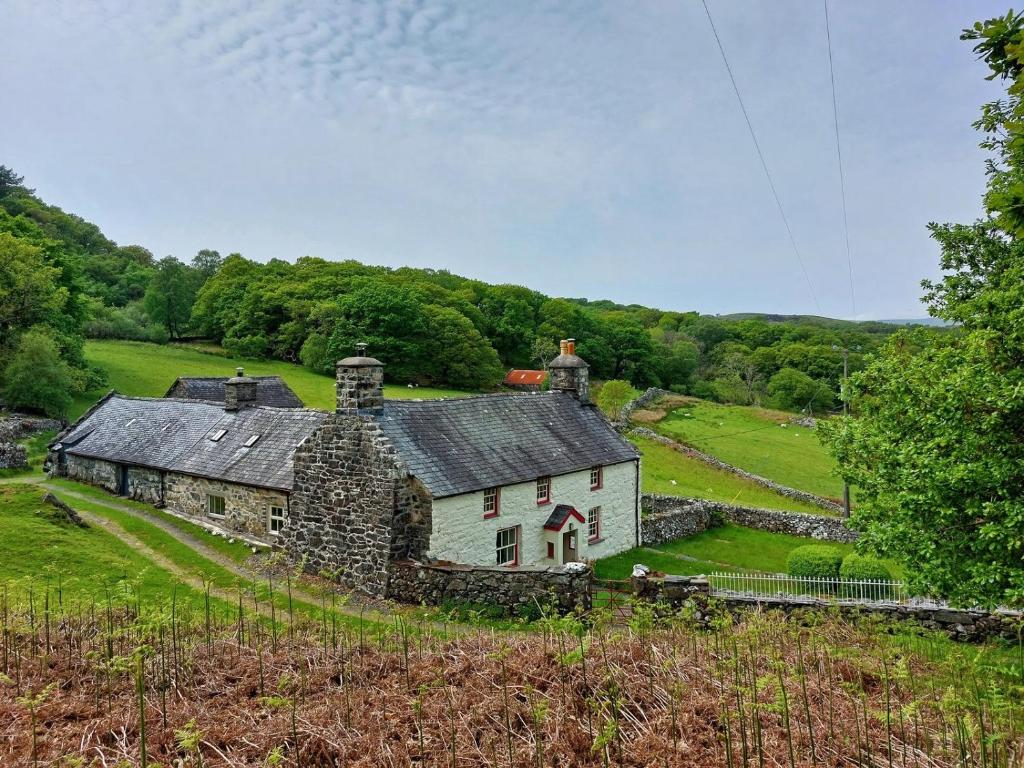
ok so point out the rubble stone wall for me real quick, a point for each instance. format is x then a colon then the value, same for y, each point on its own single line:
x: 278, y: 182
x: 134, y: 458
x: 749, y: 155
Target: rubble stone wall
x: 413, y: 582
x: 667, y: 518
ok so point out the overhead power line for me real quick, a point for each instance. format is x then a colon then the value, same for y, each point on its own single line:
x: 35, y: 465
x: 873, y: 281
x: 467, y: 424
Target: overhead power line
x: 760, y: 154
x: 839, y: 158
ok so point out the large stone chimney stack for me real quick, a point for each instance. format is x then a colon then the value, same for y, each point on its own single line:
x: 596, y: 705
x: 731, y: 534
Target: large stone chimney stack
x: 570, y: 373
x: 360, y: 383
x: 239, y: 392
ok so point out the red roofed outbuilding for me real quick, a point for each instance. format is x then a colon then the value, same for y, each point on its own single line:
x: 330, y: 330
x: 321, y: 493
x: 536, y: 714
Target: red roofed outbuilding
x: 525, y: 381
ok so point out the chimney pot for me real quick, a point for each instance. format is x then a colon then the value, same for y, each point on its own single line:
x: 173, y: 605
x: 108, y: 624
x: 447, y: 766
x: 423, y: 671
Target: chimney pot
x: 563, y: 347
x: 571, y: 345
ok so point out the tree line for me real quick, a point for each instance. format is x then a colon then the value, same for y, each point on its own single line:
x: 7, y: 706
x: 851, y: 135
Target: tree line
x: 65, y: 281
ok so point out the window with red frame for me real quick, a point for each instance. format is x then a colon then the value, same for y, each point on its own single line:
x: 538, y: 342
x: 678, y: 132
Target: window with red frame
x: 492, y: 502
x: 543, y: 490
x: 506, y: 546
x: 594, y: 523
x: 596, y: 478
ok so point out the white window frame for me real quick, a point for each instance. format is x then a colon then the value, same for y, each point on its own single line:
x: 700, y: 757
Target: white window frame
x: 596, y: 477
x: 594, y: 524
x: 543, y: 490
x: 272, y: 518
x: 492, y: 502
x: 210, y: 505
x: 506, y: 544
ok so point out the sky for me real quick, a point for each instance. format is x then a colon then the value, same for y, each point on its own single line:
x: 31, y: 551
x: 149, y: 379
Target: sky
x: 585, y: 149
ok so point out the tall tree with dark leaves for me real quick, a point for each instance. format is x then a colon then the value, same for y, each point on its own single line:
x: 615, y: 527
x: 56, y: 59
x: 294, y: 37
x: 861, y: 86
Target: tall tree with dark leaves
x: 936, y: 446
x: 170, y: 296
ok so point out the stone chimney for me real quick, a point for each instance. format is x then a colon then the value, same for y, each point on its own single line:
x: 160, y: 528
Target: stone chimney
x: 570, y: 373
x: 239, y: 392
x: 360, y: 383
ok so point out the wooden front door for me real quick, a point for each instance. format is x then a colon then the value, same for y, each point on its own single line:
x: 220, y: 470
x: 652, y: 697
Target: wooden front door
x: 569, y: 547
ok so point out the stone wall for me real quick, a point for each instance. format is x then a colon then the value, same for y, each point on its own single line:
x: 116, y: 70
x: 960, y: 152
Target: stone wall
x: 347, y: 480
x: 13, y: 456
x: 413, y: 582
x: 145, y: 484
x: 960, y: 624
x: 780, y: 489
x: 648, y: 397
x: 669, y: 517
x: 413, y: 521
x: 92, y: 471
x: 14, y: 427
x: 246, y: 509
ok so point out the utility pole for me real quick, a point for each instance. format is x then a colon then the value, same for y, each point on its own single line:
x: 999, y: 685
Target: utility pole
x: 846, y: 412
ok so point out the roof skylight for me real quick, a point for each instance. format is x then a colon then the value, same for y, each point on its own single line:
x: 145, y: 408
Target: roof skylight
x: 251, y: 441
x: 218, y: 435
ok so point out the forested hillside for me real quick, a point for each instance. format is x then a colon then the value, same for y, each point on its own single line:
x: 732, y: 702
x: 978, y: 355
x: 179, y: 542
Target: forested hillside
x: 63, y: 281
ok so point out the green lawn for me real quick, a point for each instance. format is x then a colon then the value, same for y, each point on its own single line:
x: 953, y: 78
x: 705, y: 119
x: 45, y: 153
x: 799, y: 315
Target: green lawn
x: 728, y: 548
x: 751, y: 438
x: 662, y: 465
x: 138, y: 368
x: 732, y: 547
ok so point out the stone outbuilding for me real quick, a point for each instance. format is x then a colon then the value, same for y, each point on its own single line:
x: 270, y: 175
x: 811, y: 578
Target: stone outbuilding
x: 270, y: 390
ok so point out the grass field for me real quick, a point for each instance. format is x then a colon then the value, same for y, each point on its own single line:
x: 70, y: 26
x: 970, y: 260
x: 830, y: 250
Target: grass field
x: 725, y: 548
x: 751, y: 439
x: 661, y: 466
x: 37, y: 547
x: 148, y: 370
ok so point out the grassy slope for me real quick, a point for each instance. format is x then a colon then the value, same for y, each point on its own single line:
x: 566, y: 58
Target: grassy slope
x: 137, y: 368
x: 727, y: 548
x: 661, y: 465
x: 751, y: 439
x: 87, y: 560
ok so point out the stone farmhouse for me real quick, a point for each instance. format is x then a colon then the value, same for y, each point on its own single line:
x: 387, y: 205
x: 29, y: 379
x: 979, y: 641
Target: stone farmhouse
x: 511, y: 480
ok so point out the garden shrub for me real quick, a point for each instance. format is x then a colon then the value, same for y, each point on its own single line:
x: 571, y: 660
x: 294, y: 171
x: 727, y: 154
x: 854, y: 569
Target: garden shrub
x: 814, y: 561
x: 856, y: 566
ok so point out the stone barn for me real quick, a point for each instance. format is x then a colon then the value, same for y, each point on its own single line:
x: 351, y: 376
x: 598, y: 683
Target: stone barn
x: 506, y: 480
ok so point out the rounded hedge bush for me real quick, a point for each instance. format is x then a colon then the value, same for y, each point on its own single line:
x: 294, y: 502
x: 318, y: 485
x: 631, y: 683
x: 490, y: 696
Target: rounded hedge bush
x: 864, y: 567
x: 814, y: 561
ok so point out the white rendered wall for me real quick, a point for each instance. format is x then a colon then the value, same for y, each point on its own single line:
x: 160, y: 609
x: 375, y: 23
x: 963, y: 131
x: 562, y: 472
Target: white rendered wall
x: 461, y: 534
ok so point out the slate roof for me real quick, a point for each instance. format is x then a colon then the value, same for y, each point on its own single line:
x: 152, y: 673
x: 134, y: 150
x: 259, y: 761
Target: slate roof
x: 270, y: 390
x: 559, y: 515
x: 467, y: 444
x: 174, y: 435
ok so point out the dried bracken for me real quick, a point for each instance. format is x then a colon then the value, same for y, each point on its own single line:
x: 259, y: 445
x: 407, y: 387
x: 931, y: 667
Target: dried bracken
x: 86, y: 682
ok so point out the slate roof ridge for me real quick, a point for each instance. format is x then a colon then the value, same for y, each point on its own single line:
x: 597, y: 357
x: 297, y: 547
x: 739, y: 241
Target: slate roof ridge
x: 88, y: 412
x: 193, y: 401
x: 474, y: 398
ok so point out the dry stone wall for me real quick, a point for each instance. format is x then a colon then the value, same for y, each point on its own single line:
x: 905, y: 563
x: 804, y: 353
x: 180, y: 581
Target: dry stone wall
x: 431, y: 584
x: 13, y: 456
x: 780, y: 489
x: 14, y: 427
x: 670, y: 517
x: 959, y: 624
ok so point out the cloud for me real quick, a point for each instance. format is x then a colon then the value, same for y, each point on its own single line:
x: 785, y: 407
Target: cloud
x: 591, y: 148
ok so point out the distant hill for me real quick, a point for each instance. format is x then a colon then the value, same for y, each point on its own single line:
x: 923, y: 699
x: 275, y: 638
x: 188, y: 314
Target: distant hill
x: 930, y: 321
x: 833, y: 322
